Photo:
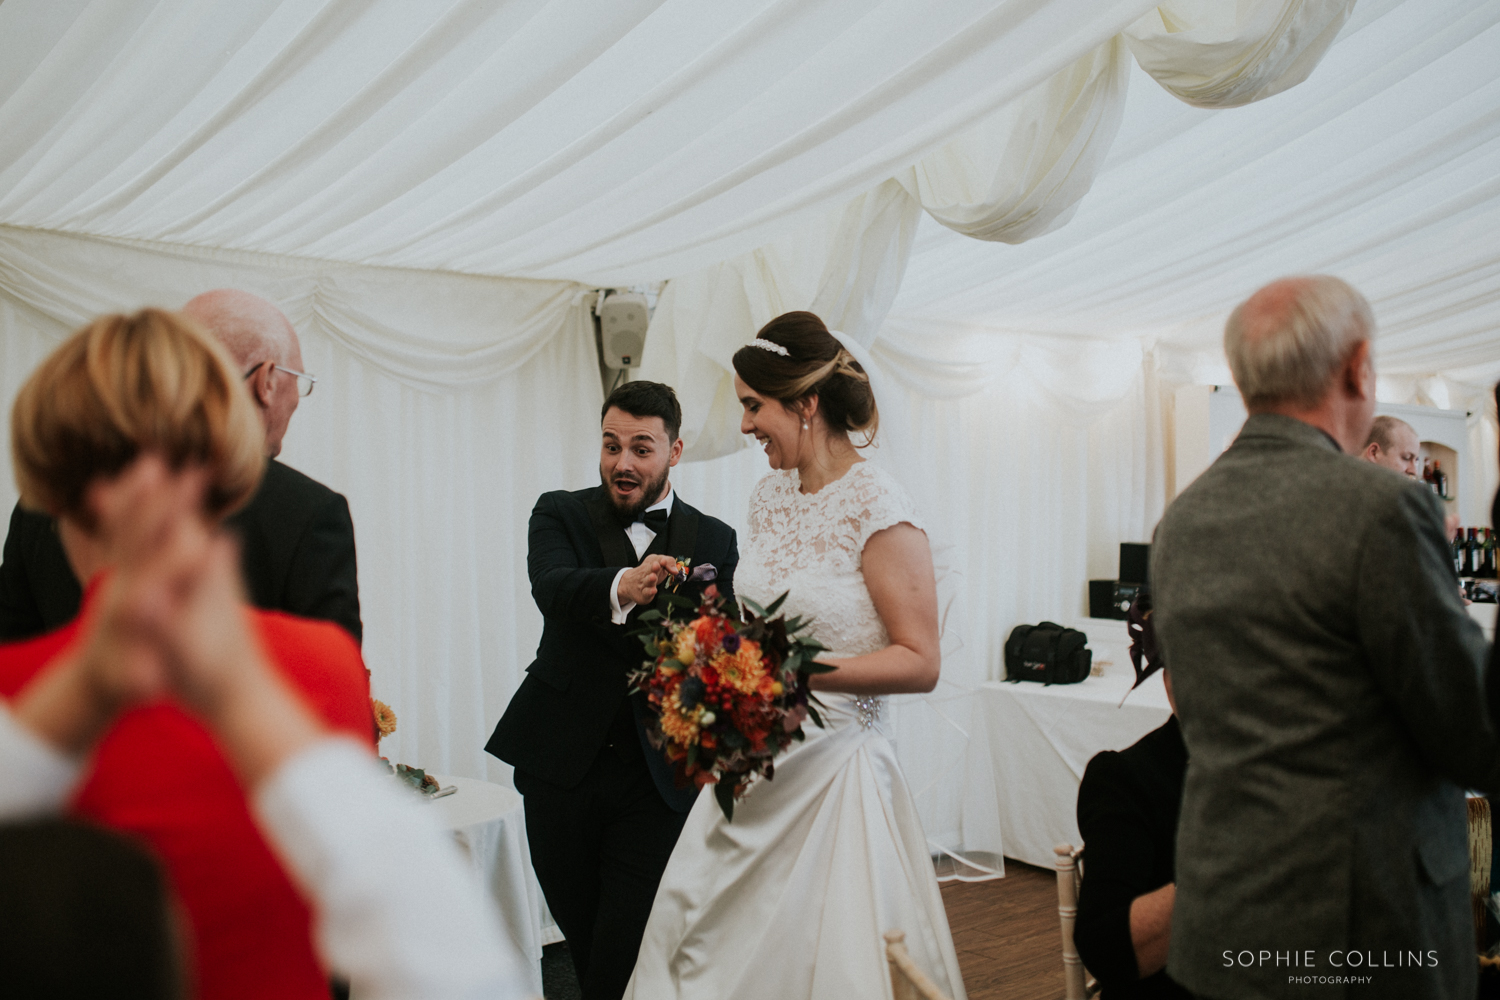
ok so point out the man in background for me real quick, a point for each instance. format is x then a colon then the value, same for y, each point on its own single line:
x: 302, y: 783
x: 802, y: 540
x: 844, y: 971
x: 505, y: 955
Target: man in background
x: 297, y: 538
x: 1394, y: 444
x: 1330, y: 686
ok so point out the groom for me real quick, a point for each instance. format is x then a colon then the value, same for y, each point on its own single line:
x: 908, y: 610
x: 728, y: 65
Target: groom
x: 602, y: 810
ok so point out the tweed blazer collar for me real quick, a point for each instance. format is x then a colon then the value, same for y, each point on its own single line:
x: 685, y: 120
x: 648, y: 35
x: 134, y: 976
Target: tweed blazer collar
x: 1274, y: 425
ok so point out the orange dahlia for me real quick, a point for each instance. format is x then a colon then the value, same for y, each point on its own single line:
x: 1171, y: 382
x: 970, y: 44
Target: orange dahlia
x: 385, y: 718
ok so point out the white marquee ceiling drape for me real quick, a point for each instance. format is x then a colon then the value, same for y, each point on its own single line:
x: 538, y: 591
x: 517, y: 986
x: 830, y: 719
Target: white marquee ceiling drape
x: 1033, y: 236
x: 1017, y: 174
x: 609, y: 143
x: 445, y: 405
x: 1382, y: 168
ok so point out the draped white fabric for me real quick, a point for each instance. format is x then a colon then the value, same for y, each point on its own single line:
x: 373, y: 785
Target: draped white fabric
x: 1021, y: 172
x: 440, y: 481
x: 1381, y: 168
x: 1219, y: 55
x: 611, y: 143
x: 758, y: 157
x: 1017, y: 174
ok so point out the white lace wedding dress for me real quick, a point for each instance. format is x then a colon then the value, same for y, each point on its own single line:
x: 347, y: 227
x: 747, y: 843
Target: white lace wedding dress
x: 792, y: 898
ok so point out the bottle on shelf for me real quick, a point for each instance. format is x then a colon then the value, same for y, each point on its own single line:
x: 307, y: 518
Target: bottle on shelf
x: 1470, y: 545
x: 1439, y: 480
x: 1487, y: 558
x: 1456, y: 548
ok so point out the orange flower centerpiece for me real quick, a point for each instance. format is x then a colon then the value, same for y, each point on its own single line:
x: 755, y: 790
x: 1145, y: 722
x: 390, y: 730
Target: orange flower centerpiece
x: 385, y: 725
x: 728, y: 696
x: 385, y: 719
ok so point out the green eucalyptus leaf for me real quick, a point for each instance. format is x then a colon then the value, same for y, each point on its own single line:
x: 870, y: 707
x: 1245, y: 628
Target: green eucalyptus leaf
x: 724, y: 792
x: 776, y: 604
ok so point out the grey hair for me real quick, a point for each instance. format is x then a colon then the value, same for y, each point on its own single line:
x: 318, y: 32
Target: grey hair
x: 1289, y: 351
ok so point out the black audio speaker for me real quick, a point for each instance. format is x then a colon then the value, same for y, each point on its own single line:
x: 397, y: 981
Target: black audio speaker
x: 1135, y: 563
x: 1102, y: 599
x: 1111, y: 598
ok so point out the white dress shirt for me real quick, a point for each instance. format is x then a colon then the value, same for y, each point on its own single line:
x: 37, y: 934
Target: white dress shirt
x: 397, y: 911
x: 641, y: 538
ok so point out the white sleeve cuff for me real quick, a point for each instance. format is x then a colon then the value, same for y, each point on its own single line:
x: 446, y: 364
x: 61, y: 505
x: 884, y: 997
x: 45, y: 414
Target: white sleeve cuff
x: 35, y: 778
x: 619, y: 614
x: 397, y: 910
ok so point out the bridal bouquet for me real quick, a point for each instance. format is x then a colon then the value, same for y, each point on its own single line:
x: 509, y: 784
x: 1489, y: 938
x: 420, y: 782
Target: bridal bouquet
x: 728, y: 696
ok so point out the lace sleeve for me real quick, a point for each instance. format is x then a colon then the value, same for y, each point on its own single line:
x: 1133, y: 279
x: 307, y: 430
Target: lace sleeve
x: 881, y: 503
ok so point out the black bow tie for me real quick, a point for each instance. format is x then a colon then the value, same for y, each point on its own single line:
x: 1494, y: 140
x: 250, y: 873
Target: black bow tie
x: 656, y: 520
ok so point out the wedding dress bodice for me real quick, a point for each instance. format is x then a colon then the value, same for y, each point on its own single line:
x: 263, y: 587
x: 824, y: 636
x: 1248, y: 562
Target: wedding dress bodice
x: 812, y: 546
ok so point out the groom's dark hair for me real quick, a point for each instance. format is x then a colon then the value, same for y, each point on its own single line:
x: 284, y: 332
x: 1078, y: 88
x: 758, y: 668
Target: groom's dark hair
x: 648, y: 399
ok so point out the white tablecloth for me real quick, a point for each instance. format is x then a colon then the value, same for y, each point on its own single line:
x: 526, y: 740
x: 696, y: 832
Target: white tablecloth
x: 1484, y: 614
x: 1041, y: 738
x: 488, y: 822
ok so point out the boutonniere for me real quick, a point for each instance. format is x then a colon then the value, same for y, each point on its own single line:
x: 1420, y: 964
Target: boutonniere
x: 685, y: 572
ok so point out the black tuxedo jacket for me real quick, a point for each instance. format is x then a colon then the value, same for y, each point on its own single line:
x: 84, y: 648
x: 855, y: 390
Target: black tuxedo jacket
x: 560, y: 716
x: 297, y: 548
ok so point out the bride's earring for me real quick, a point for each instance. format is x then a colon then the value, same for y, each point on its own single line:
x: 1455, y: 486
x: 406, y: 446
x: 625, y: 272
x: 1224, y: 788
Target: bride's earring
x: 804, y: 425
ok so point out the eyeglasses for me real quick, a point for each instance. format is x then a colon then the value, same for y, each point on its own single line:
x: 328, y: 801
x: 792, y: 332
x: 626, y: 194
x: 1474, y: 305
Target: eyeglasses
x: 304, y: 389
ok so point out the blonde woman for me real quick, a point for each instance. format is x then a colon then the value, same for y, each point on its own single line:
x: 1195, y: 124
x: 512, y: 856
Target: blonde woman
x: 153, y: 382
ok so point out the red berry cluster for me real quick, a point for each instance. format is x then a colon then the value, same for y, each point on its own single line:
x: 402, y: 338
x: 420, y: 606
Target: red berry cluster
x: 715, y: 694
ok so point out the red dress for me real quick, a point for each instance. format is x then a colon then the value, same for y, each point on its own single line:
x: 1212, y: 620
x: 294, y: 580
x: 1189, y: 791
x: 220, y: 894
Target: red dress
x: 158, y: 774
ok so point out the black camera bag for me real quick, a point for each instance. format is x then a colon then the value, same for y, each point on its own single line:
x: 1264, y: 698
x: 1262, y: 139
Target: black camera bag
x: 1047, y: 653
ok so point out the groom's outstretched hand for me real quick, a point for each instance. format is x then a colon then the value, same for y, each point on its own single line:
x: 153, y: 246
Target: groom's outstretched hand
x: 639, y: 585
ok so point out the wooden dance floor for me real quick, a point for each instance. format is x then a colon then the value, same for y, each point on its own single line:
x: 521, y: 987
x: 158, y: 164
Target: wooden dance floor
x: 1007, y: 936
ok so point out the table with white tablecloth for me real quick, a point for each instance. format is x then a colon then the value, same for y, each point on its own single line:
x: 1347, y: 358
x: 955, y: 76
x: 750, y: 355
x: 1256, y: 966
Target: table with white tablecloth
x: 489, y: 824
x: 1042, y: 736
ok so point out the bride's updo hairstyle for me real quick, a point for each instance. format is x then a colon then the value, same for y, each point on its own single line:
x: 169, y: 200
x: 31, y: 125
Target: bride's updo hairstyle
x: 815, y: 364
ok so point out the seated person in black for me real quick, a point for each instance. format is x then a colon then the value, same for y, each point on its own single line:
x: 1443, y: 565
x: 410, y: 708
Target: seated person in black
x: 1127, y: 813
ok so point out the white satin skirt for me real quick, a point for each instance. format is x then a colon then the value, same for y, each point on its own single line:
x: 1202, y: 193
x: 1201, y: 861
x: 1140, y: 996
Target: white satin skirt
x: 792, y: 899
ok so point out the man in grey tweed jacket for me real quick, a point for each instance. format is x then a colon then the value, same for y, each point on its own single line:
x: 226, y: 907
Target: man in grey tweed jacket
x: 1329, y: 684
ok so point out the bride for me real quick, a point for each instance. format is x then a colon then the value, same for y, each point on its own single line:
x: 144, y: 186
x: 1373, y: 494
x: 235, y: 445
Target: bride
x: 792, y: 898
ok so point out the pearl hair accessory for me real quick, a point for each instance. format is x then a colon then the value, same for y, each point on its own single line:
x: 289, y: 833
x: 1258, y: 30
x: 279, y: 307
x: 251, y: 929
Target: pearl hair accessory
x: 774, y: 348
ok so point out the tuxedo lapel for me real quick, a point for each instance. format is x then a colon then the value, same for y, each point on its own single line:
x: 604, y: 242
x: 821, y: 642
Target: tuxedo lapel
x: 613, y: 542
x: 682, y: 532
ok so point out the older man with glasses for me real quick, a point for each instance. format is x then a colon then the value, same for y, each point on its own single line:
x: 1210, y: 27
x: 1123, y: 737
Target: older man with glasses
x: 297, y: 538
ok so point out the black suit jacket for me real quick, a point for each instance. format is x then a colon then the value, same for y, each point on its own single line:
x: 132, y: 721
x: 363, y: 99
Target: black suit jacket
x: 560, y: 716
x: 297, y: 543
x: 1128, y: 806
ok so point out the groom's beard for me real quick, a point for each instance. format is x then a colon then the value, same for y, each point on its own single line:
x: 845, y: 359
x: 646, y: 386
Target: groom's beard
x: 654, y: 490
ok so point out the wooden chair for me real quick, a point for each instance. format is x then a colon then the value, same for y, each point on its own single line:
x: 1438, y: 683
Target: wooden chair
x: 1077, y: 982
x: 1481, y: 848
x: 907, y: 981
